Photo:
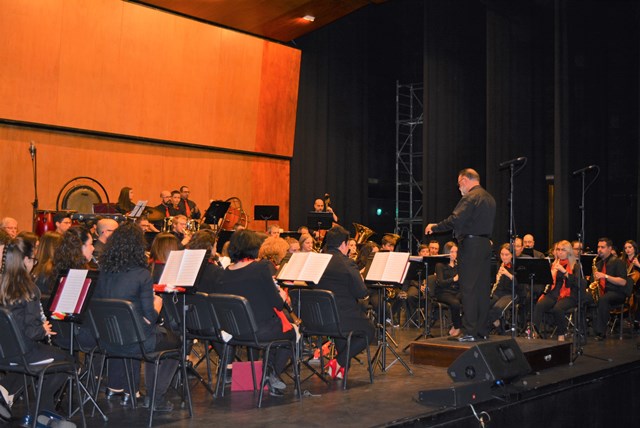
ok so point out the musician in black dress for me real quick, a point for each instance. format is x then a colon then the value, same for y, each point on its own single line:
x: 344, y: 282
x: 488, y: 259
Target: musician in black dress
x: 501, y: 293
x: 472, y: 224
x: 124, y: 275
x: 252, y: 279
x: 20, y: 295
x: 562, y: 294
x: 630, y: 256
x: 448, y: 288
x: 611, y: 275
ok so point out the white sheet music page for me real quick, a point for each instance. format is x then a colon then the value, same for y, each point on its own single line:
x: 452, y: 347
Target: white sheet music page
x: 189, y: 267
x: 396, y: 267
x: 182, y: 268
x: 71, y: 292
x: 291, y: 270
x: 314, y: 267
x: 376, y: 269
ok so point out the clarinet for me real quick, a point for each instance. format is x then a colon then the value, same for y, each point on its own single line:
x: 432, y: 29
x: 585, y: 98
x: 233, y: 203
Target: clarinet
x: 43, y: 318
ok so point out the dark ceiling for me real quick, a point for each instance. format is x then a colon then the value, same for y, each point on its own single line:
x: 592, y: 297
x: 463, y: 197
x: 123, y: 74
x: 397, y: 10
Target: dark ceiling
x: 279, y: 20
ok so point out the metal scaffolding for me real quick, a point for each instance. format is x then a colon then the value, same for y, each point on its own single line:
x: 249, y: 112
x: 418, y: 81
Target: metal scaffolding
x: 409, y: 153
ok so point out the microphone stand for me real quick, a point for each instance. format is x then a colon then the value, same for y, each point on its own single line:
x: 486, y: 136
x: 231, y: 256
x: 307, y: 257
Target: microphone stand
x: 34, y: 165
x: 580, y: 335
x: 512, y: 173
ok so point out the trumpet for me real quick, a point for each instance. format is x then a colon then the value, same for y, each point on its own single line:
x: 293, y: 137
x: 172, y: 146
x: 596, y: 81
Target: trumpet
x: 594, y: 287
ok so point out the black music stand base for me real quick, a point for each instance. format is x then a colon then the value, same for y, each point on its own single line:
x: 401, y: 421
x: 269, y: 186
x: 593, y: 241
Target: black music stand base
x: 380, y: 356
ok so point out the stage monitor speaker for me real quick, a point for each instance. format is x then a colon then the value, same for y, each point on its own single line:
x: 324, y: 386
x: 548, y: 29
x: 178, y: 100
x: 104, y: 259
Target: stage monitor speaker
x: 490, y: 361
x: 460, y: 394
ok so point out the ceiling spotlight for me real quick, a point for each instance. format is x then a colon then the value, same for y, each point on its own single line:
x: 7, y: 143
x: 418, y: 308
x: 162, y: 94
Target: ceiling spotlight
x: 309, y: 18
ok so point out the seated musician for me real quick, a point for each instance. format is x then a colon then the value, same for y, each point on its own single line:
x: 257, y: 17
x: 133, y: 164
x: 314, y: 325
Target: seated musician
x: 252, y: 279
x: 189, y: 207
x: 62, y: 221
x: 174, y: 207
x: 204, y: 239
x: 125, y: 201
x: 633, y: 270
x: 611, y: 277
x: 562, y: 294
x: 343, y: 279
x: 448, y: 289
x: 161, y: 247
x: 307, y: 243
x: 124, y: 275
x: 501, y: 293
x: 20, y: 296
x: 180, y: 231
x: 105, y: 228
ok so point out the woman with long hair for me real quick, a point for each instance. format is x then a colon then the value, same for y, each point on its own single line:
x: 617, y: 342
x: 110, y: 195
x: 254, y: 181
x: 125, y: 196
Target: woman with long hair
x: 74, y: 252
x: 501, y: 292
x: 307, y: 243
x: 49, y: 243
x: 447, y: 287
x: 125, y: 200
x: 562, y: 294
x: 124, y: 275
x: 162, y: 245
x: 19, y: 294
x: 630, y: 256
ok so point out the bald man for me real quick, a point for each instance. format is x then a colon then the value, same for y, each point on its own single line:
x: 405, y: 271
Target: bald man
x: 528, y: 242
x: 104, y: 229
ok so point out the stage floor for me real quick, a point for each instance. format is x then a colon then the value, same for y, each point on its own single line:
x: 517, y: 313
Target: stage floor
x: 391, y: 399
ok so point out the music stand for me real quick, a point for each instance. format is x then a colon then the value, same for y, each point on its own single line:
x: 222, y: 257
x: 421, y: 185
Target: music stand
x: 430, y: 263
x: 266, y: 213
x: 69, y: 302
x: 216, y: 211
x: 319, y: 220
x: 534, y: 271
x: 380, y: 356
x: 291, y: 234
x: 415, y: 273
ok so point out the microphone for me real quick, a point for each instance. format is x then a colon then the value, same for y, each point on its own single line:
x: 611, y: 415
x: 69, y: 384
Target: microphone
x: 585, y: 169
x: 513, y: 161
x: 32, y: 150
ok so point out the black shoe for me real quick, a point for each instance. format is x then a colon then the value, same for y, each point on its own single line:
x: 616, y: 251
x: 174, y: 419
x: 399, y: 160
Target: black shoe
x: 599, y: 337
x: 110, y: 393
x: 161, y: 405
x: 275, y: 392
x: 482, y: 337
x: 126, y: 398
x: 467, y: 338
x: 275, y: 381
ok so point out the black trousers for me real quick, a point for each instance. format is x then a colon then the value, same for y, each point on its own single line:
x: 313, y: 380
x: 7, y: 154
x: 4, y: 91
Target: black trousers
x: 474, y: 270
x: 557, y: 308
x: 605, y: 304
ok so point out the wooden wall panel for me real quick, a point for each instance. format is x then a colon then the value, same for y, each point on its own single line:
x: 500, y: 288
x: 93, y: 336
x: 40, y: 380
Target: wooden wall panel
x: 117, y: 67
x: 147, y: 168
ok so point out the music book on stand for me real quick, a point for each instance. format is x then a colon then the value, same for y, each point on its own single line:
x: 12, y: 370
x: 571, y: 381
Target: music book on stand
x: 182, y: 268
x: 137, y: 211
x: 71, y: 294
x: 387, y: 267
x: 307, y: 267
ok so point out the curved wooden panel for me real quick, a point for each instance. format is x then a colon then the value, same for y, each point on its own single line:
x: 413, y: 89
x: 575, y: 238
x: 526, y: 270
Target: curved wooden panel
x: 122, y: 68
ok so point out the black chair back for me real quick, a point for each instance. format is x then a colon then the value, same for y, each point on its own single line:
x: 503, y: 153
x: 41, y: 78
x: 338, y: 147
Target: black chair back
x: 235, y: 316
x: 201, y: 317
x: 319, y: 312
x: 12, y: 344
x: 116, y: 324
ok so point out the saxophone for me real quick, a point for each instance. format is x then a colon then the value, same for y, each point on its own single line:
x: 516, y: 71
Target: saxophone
x: 594, y: 287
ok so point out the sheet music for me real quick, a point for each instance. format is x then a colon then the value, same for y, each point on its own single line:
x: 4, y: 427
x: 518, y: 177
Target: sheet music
x: 71, y: 292
x: 388, y: 267
x: 182, y: 268
x: 138, y: 209
x: 305, y: 267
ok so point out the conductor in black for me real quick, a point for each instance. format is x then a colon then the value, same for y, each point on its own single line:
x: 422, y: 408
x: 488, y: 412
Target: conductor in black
x: 472, y: 224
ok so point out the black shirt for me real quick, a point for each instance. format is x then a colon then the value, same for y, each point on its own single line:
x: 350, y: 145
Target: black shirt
x: 474, y: 215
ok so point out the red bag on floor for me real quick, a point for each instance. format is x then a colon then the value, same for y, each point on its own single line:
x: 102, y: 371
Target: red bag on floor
x: 241, y: 376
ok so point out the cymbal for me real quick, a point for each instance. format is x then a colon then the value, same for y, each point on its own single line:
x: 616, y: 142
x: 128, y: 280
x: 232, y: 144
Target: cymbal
x: 153, y: 214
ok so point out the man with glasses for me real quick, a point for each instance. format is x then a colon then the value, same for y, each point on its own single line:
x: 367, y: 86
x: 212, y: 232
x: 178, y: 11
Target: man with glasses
x: 10, y: 225
x: 472, y: 225
x: 189, y: 208
x: 62, y: 220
